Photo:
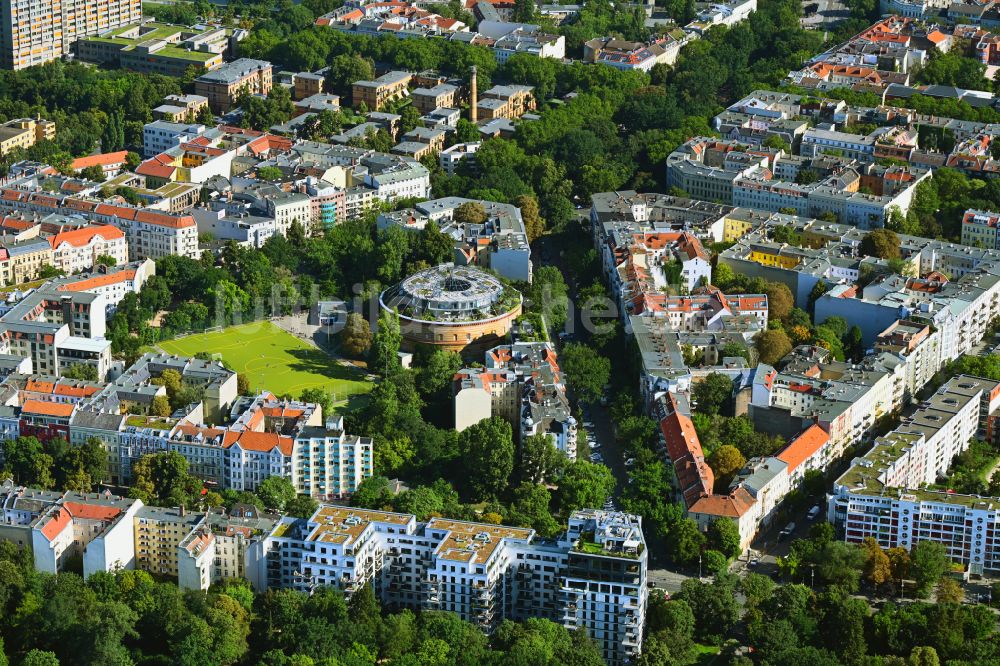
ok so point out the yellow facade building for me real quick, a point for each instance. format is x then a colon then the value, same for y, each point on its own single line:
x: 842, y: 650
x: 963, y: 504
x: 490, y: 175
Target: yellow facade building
x: 24, y: 133
x: 158, y: 532
x: 35, y: 32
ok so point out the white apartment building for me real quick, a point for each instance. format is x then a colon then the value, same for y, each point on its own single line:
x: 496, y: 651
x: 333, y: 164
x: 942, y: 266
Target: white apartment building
x: 883, y: 496
x: 244, y: 228
x: 97, y: 529
x: 918, y: 349
x: 523, y: 384
x: 593, y: 577
x: 222, y: 547
x: 111, y: 283
x: 160, y: 136
x: 400, y: 179
x: 328, y: 463
x: 451, y: 158
x: 154, y: 235
x: 252, y: 456
x: 287, y: 208
x: 77, y: 250
x: 854, y: 146
x: 979, y: 228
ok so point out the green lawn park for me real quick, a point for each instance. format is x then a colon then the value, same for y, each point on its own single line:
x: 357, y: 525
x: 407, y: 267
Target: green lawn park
x: 274, y: 360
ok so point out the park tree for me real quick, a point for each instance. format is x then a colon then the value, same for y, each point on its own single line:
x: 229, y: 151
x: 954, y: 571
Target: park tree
x: 80, y: 467
x: 487, y: 451
x: 839, y: 563
x: 923, y: 655
x: 344, y: 70
x: 779, y: 300
x: 713, y: 605
x: 270, y: 173
x: 160, y: 406
x: 948, y: 591
x: 276, y: 492
x: 848, y: 615
x: 928, y: 562
x: 94, y: 173
x: 757, y: 589
x: 582, y: 485
x: 713, y: 562
x: 878, y: 568
x: 534, y: 225
x: 383, y: 356
x: 773, y: 345
x: 356, y: 338
x: 531, y: 507
x: 40, y: 658
x: 242, y: 384
x: 84, y: 371
x: 373, y: 493
x: 438, y: 371
x: 713, y: 393
x: 163, y: 478
x: 539, y: 460
x: 586, y: 370
x: 29, y: 464
x: 113, y: 136
x: 899, y: 563
x: 301, y: 506
x: 685, y: 542
x: 724, y: 536
x: 471, y: 212
x: 321, y: 397
x: 725, y: 461
x: 881, y: 243
x: 432, y: 245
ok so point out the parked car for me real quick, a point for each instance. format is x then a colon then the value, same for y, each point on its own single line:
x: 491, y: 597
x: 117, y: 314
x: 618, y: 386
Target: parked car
x: 787, y: 532
x: 814, y: 512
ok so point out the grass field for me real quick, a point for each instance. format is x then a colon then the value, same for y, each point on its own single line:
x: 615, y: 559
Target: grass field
x: 274, y: 360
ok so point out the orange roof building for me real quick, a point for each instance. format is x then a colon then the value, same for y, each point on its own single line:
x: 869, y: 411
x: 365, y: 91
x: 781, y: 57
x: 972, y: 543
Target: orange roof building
x: 110, y: 163
x: 695, y: 478
x: 805, y: 452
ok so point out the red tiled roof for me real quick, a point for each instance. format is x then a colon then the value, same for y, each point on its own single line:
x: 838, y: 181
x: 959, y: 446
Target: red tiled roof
x: 733, y: 505
x: 262, y: 442
x: 694, y: 475
x: 283, y: 412
x: 154, y: 169
x: 99, y: 281
x: 92, y: 511
x: 804, y: 446
x: 47, y: 408
x: 101, y: 159
x: 59, y: 388
x: 57, y: 523
x: 86, y: 235
x: 164, y: 220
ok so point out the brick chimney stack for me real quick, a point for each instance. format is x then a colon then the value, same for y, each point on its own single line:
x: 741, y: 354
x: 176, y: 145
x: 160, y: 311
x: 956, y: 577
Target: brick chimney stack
x: 473, y: 97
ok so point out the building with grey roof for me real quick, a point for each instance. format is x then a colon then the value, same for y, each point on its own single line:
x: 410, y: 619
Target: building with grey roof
x: 500, y: 242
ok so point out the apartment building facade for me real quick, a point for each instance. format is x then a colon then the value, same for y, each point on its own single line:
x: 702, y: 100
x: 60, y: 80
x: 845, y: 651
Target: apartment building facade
x: 593, y: 577
x: 24, y: 133
x: 375, y: 94
x: 224, y: 85
x: 523, y: 384
x: 78, y: 250
x: 884, y: 496
x: 35, y: 32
